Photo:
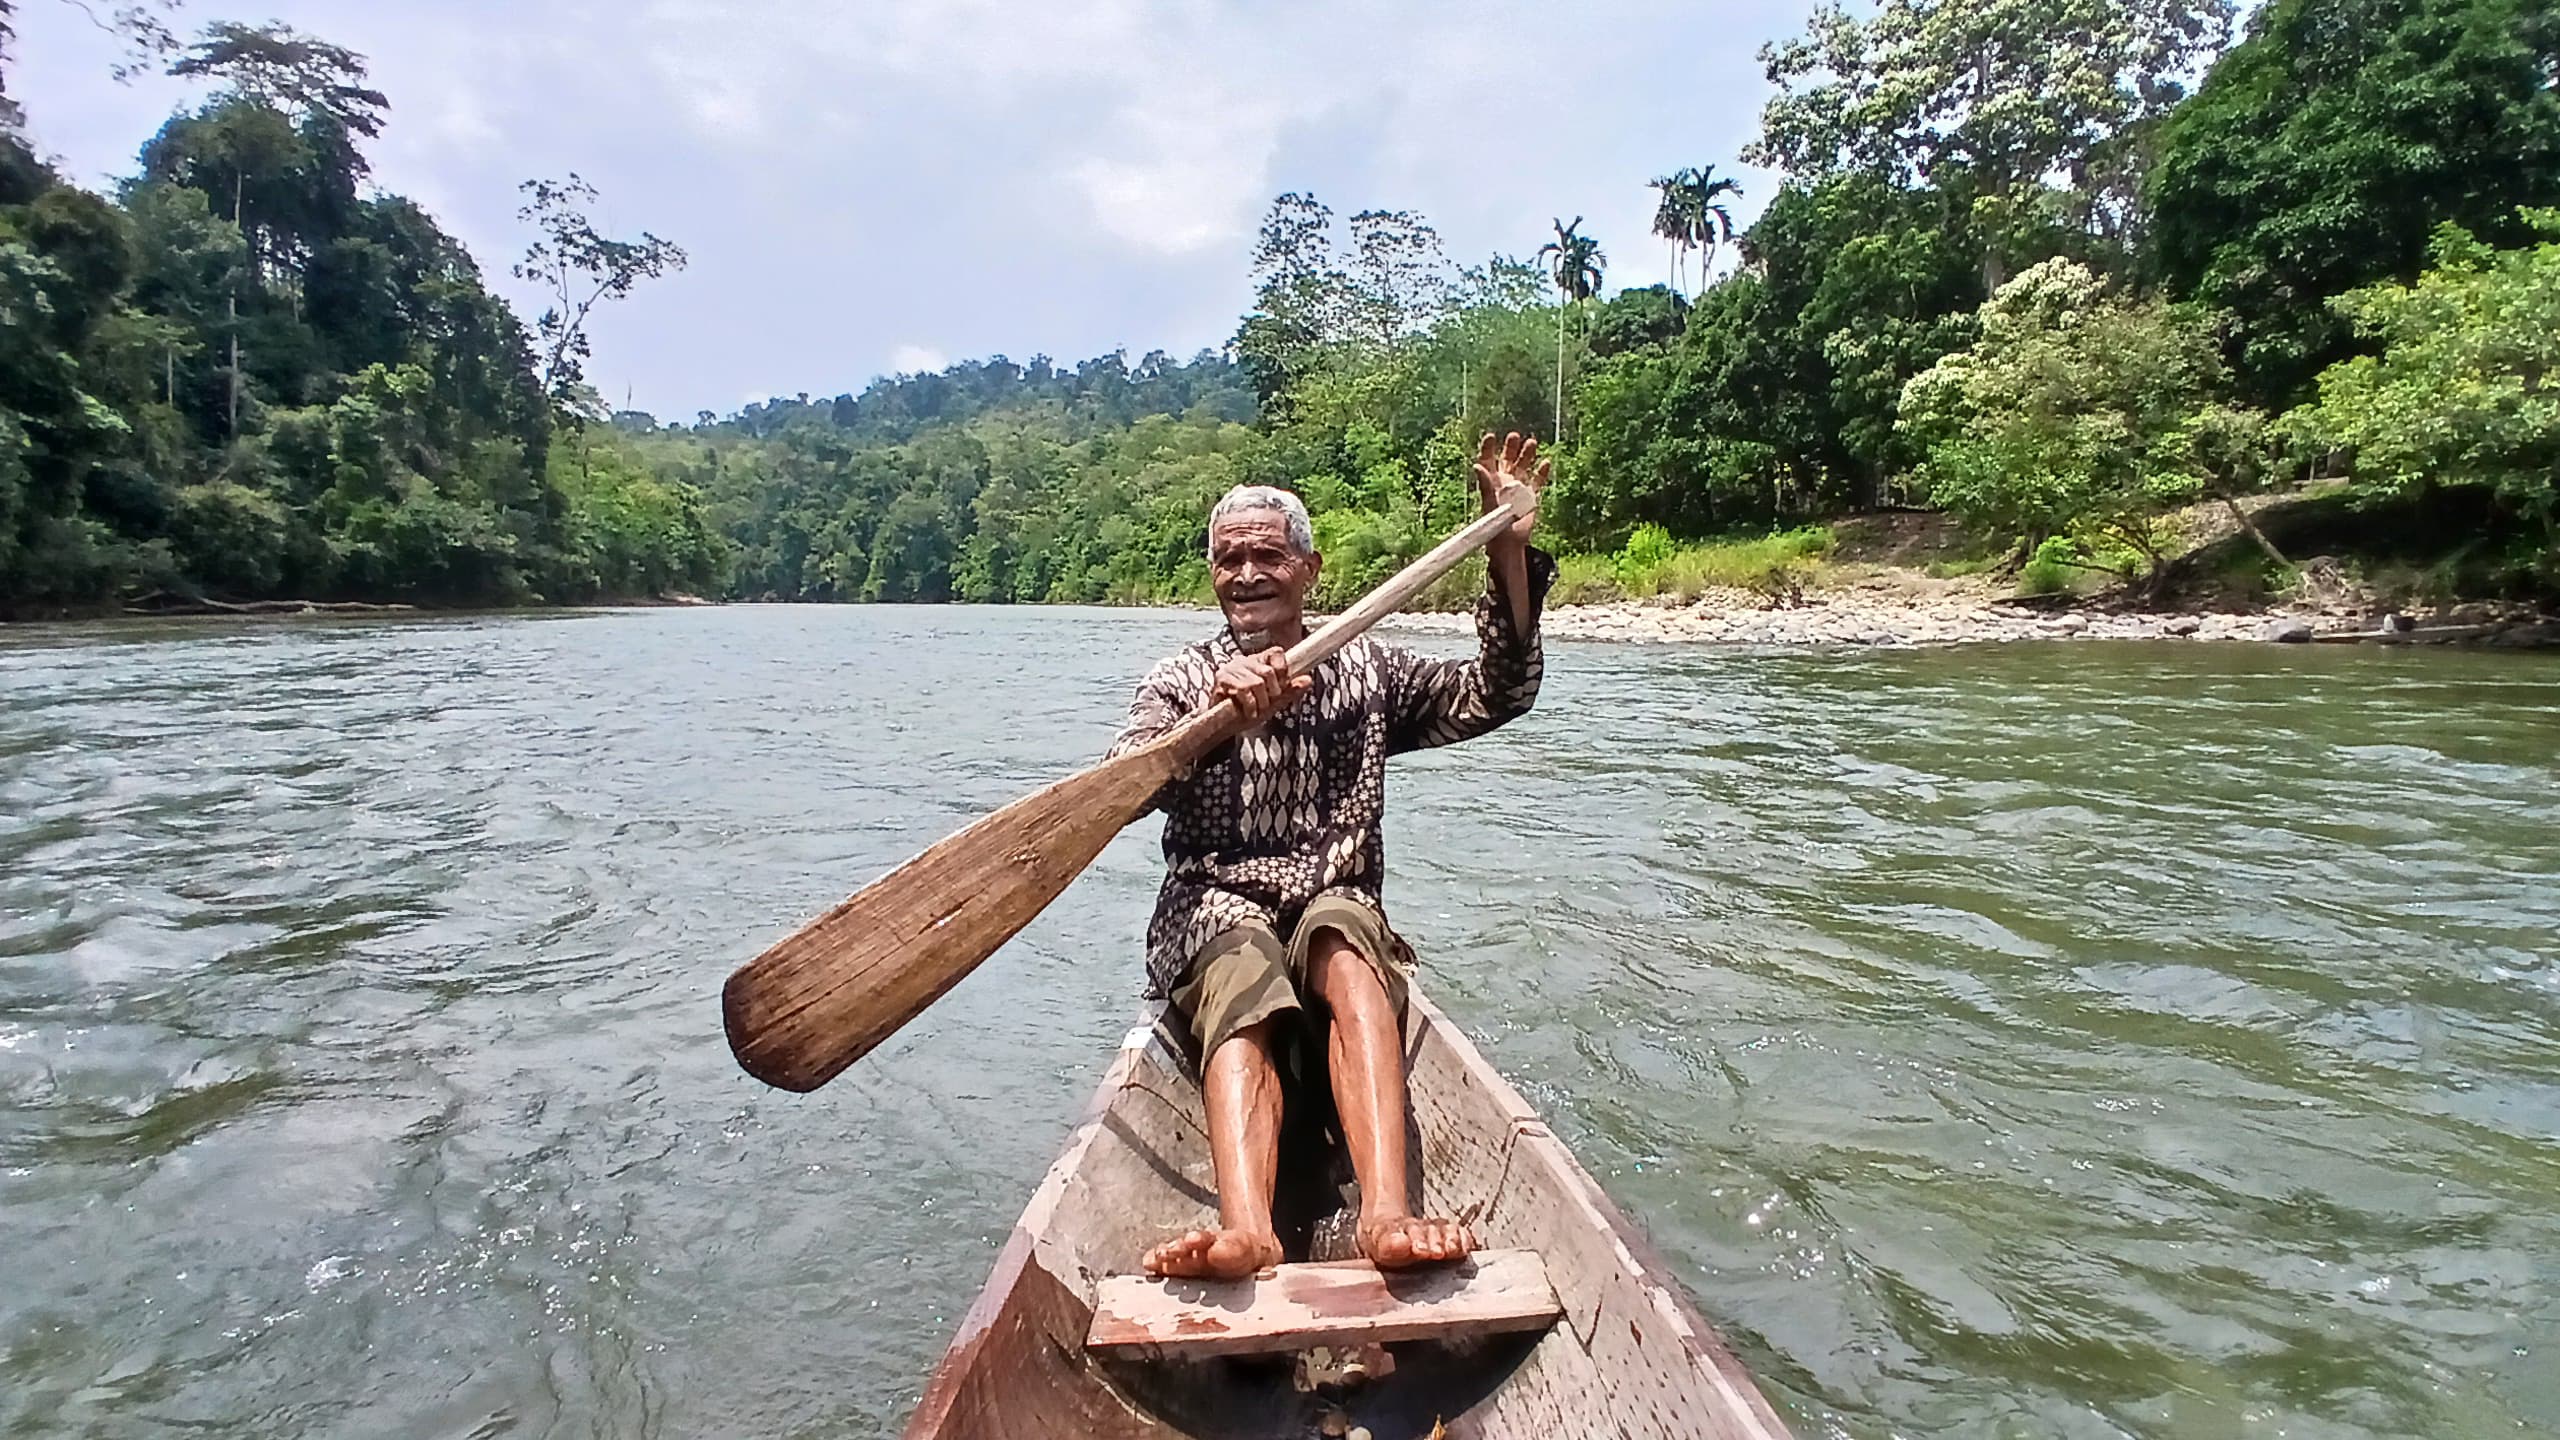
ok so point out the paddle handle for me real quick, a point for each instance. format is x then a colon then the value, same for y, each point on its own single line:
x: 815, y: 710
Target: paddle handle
x: 1219, y: 723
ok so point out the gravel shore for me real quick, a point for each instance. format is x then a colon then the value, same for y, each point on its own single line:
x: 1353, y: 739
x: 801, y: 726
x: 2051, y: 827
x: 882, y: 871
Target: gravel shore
x: 1849, y: 617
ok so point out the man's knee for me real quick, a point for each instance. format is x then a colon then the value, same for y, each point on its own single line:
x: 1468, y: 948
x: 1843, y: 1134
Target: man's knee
x: 1240, y: 981
x: 1247, y: 1045
x: 1342, y: 974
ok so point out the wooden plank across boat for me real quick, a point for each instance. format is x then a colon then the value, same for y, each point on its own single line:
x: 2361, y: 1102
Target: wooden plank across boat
x: 1628, y: 1356
x: 1323, y: 1303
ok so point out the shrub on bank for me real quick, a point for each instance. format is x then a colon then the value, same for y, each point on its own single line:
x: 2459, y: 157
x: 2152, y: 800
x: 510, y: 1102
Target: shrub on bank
x: 1652, y: 563
x: 1688, y: 571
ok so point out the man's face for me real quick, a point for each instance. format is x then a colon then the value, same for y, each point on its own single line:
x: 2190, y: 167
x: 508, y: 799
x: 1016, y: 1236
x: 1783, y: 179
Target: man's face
x: 1260, y: 578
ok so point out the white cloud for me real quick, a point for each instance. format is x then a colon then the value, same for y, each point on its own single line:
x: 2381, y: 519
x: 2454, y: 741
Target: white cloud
x: 1025, y: 176
x: 916, y: 360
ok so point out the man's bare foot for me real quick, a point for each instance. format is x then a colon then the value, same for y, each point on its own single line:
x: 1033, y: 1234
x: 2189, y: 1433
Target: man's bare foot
x: 1214, y: 1254
x: 1393, y: 1242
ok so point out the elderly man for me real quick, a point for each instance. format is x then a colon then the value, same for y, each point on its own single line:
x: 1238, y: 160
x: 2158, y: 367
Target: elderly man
x: 1271, y: 901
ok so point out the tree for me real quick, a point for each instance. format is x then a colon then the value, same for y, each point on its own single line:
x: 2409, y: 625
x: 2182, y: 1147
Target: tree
x: 1847, y: 288
x: 2079, y: 413
x: 280, y: 137
x: 2320, y: 154
x: 1301, y: 297
x: 1691, y: 213
x: 2007, y: 104
x: 580, y: 268
x: 1576, y: 263
x: 189, y: 266
x: 282, y: 69
x: 1399, y: 275
x: 378, y: 429
x: 1671, y: 216
x: 2461, y: 392
x: 1648, y: 316
x: 1710, y: 223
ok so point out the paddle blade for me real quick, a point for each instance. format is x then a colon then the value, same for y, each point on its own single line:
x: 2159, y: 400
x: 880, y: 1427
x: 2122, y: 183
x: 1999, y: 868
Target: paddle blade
x: 823, y: 997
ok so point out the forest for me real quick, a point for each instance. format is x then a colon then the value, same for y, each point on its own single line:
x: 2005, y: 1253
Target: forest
x: 2064, y: 272
x: 243, y: 376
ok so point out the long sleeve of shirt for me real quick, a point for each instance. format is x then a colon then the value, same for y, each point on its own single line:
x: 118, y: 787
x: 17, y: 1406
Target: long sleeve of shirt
x: 1441, y: 702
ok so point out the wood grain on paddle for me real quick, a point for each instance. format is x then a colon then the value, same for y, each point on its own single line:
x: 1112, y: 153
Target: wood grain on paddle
x: 823, y: 997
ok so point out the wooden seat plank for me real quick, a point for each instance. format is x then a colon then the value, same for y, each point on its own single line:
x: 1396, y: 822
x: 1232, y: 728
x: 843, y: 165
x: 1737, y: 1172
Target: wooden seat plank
x: 1297, y: 1307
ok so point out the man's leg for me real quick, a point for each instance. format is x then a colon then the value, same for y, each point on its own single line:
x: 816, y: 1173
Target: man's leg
x: 1243, y: 1093
x: 1366, y: 1046
x: 1235, y: 997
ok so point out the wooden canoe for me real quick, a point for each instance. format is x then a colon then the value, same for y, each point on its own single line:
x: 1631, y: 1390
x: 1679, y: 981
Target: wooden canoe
x: 1630, y: 1357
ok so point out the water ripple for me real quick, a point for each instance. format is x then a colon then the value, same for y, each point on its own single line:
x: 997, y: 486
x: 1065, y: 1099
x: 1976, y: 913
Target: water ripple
x: 2074, y: 1040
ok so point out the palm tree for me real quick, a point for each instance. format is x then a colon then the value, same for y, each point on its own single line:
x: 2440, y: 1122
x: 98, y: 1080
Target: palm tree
x: 1710, y: 224
x: 1671, y: 218
x: 1577, y: 267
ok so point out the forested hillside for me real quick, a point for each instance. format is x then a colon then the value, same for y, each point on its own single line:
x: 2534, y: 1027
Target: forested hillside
x: 245, y: 376
x: 2061, y: 273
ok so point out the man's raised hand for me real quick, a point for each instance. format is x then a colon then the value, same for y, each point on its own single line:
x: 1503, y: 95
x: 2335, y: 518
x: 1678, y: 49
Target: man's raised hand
x: 1503, y: 463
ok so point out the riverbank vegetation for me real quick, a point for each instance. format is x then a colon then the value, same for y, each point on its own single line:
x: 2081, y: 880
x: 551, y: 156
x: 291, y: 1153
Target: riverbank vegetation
x: 2072, y: 294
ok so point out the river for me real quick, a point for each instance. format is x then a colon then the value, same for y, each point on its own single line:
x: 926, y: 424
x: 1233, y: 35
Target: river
x: 2041, y: 1039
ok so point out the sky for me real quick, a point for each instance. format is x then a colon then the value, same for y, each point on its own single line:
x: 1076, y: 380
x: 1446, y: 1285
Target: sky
x: 873, y: 186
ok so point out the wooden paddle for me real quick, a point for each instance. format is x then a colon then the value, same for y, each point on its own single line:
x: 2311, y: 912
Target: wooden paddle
x: 822, y: 998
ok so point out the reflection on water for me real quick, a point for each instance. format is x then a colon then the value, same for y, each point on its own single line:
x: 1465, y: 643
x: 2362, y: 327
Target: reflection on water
x: 2038, y: 1040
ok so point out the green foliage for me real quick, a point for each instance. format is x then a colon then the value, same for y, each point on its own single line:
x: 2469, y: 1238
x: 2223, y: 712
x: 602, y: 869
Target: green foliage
x: 1035, y: 498
x: 247, y: 379
x: 1318, y: 300
x: 1654, y: 563
x: 2322, y: 151
x: 629, y: 530
x: 1692, y: 214
x: 1586, y: 580
x: 2078, y: 413
x: 1985, y: 101
x: 230, y: 537
x: 2460, y: 395
x: 1647, y: 551
x: 1631, y: 320
x: 2052, y: 569
x: 1779, y: 398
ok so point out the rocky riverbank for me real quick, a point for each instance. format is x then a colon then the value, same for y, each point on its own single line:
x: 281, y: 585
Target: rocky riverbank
x: 1861, y: 617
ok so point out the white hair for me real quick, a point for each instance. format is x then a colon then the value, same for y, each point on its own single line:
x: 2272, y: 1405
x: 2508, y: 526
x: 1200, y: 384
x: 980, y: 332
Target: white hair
x: 1246, y: 499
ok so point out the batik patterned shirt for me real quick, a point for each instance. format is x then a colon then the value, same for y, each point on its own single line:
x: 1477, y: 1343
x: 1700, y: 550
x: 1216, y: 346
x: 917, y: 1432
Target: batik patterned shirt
x: 1292, y: 811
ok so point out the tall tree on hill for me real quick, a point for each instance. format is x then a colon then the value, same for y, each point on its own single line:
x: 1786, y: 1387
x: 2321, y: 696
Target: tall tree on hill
x: 2320, y: 154
x: 581, y: 269
x: 2009, y: 105
x: 1671, y: 215
x: 1301, y: 296
x: 1574, y: 259
x: 278, y: 141
x: 1710, y: 223
x: 283, y: 69
x: 1399, y: 275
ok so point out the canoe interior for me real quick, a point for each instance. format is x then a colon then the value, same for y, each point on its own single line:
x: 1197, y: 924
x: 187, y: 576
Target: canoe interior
x: 1631, y: 1357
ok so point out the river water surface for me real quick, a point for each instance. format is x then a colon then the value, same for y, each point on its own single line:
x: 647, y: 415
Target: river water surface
x: 2075, y: 1040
